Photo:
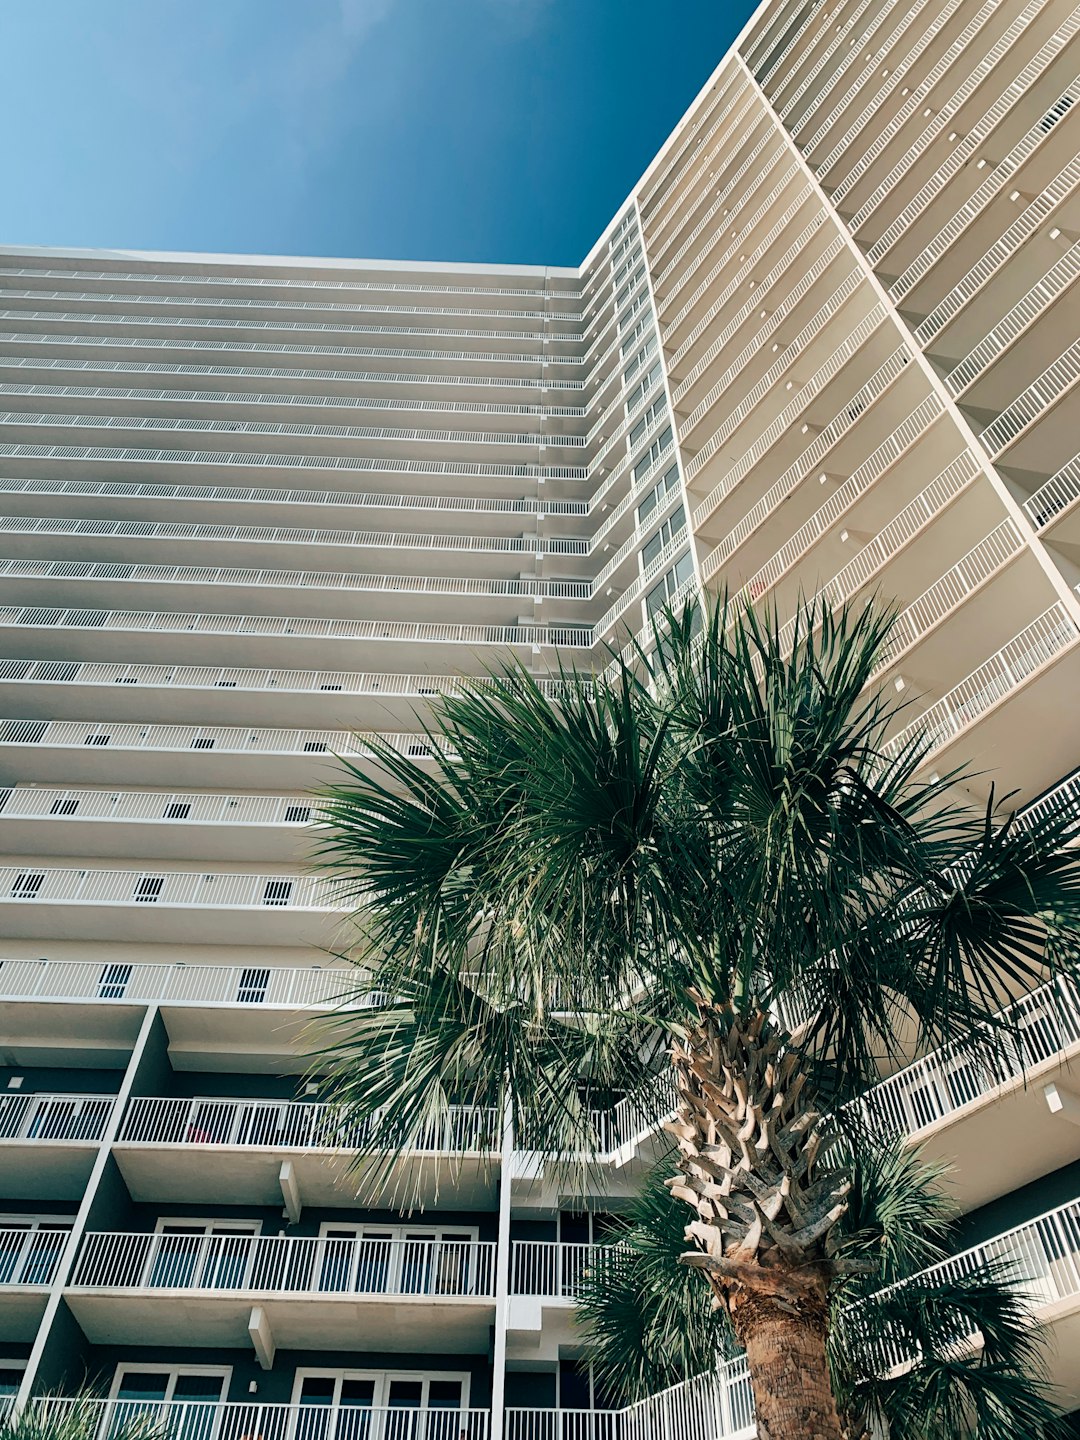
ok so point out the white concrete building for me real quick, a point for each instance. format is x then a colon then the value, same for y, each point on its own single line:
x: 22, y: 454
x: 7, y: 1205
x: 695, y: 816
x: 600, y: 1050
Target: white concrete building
x: 253, y: 509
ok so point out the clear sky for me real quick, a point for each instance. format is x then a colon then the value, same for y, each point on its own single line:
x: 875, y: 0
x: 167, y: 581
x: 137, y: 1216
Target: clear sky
x: 484, y: 130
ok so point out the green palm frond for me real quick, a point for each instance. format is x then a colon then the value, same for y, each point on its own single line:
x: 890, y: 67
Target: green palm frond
x: 77, y: 1417
x: 647, y: 1321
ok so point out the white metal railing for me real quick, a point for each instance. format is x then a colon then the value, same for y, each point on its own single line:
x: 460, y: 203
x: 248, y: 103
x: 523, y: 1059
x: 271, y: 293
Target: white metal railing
x: 212, y: 575
x: 165, y: 622
x: 54, y: 1117
x: 1042, y: 1255
x: 1054, y: 382
x: 766, y: 207
x: 977, y: 201
x: 224, y: 739
x: 918, y: 513
x: 796, y: 350
x: 1038, y: 1027
x: 968, y: 574
x: 796, y: 250
x: 215, y: 890
x: 284, y: 1264
x: 1019, y: 89
x: 531, y: 545
x: 910, y: 430
x: 30, y: 802
x: 288, y: 460
x: 719, y: 1406
x: 974, y: 76
x: 291, y: 1124
x: 206, y: 426
x: 779, y: 426
x: 549, y: 1267
x: 1013, y: 324
x: 216, y: 677
x: 140, y: 982
x: 859, y: 85
x: 1055, y: 495
x: 292, y: 399
x: 1007, y: 668
x: 1004, y: 247
x: 881, y: 380
x: 281, y: 282
x: 308, y: 324
x: 526, y: 507
x: 251, y: 1420
x: 29, y: 1256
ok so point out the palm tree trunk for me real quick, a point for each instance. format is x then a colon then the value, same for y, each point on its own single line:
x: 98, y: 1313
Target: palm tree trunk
x: 785, y: 1353
x: 755, y: 1164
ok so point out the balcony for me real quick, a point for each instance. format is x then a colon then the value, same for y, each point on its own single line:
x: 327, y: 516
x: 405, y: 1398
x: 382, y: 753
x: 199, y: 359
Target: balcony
x: 710, y: 1407
x: 550, y: 1269
x: 259, y: 1151
x: 198, y: 907
x: 48, y: 1142
x: 292, y: 1292
x: 138, y: 983
x: 1007, y: 671
x: 29, y: 1256
x: 238, y: 1420
x: 956, y: 1106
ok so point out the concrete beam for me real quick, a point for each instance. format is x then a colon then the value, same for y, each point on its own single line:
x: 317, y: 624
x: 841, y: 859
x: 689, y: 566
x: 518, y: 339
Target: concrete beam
x: 290, y: 1190
x: 261, y: 1337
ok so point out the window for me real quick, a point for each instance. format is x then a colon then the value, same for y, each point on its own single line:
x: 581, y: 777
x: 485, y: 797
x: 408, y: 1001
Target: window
x: 27, y: 884
x: 200, y: 1255
x: 97, y: 739
x: 650, y: 457
x: 640, y: 390
x: 397, y: 1259
x: 11, y: 1374
x: 663, y: 593
x: 225, y: 684
x: 297, y: 814
x: 141, y: 1390
x: 650, y: 416
x: 203, y: 742
x: 329, y: 687
x: 147, y: 889
x: 177, y: 810
x: 277, y: 892
x: 314, y: 747
x: 668, y: 482
x: 66, y: 806
x: 349, y: 1397
x: 668, y: 531
x: 639, y: 359
x: 30, y: 1248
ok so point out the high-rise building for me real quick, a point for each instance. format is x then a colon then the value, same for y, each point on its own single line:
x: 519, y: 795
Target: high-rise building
x: 255, y: 509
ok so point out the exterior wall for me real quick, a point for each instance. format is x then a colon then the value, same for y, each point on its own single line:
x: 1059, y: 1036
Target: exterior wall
x: 254, y: 508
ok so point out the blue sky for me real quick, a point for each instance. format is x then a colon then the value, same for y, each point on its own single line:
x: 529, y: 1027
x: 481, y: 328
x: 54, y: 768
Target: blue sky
x: 487, y: 130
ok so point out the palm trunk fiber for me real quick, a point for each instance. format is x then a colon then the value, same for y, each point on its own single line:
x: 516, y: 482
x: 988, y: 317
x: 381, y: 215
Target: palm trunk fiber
x: 788, y: 1370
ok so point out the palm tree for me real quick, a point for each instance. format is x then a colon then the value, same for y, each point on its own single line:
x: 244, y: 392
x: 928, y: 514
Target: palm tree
x: 981, y: 1363
x: 712, y: 864
x: 79, y: 1417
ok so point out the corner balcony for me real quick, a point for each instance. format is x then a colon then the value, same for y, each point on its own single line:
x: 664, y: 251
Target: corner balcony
x: 1020, y: 691
x: 266, y: 1152
x: 241, y: 1420
x: 29, y: 1255
x: 48, y: 1142
x: 285, y: 1292
x: 187, y: 906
